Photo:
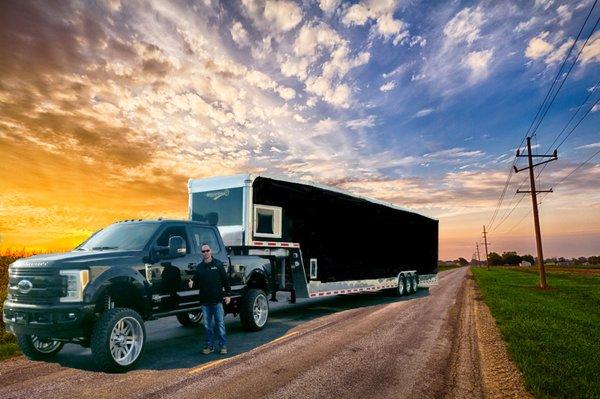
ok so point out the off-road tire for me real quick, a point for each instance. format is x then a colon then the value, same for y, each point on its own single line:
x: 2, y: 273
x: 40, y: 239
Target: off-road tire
x: 101, y: 335
x: 28, y: 348
x: 185, y: 320
x: 247, y: 309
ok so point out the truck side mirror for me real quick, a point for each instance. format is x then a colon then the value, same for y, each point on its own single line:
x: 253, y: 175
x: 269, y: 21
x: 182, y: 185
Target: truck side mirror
x: 177, y: 247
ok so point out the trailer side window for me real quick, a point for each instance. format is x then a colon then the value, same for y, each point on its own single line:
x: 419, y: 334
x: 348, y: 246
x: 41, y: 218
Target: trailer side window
x: 267, y: 221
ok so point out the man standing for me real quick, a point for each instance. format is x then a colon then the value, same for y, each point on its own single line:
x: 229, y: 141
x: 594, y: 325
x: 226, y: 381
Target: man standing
x: 210, y: 277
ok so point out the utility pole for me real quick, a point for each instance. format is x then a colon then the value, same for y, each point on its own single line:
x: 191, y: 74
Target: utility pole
x: 478, y: 257
x: 487, y: 256
x: 533, y: 191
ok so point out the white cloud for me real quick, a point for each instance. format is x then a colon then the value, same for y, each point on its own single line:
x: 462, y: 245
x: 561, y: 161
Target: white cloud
x: 526, y: 25
x: 357, y: 124
x: 538, y: 46
x: 239, y: 34
x: 327, y: 125
x: 329, y: 6
x: 285, y: 15
x: 465, y: 26
x: 391, y: 85
x: 591, y: 145
x: 544, y: 4
x: 591, y: 52
x: 455, y: 152
x: 417, y: 77
x: 560, y: 53
x: 273, y: 15
x: 564, y: 14
x: 478, y: 62
x: 595, y: 108
x: 424, y: 112
x: 382, y: 12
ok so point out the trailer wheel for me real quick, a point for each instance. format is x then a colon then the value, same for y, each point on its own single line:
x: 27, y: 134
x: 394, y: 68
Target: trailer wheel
x: 410, y: 284
x: 190, y: 319
x: 118, y: 339
x: 36, y: 348
x: 254, y: 310
x: 401, y: 291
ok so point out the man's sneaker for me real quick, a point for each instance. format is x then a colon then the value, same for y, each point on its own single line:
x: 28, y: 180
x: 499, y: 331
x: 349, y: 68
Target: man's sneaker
x: 223, y: 351
x: 207, y: 350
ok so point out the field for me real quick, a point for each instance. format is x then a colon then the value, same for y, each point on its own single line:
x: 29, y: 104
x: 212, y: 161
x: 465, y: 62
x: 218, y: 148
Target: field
x: 8, y: 346
x: 552, y: 335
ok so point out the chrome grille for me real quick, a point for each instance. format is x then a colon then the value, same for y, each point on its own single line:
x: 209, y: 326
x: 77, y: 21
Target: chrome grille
x: 47, y: 285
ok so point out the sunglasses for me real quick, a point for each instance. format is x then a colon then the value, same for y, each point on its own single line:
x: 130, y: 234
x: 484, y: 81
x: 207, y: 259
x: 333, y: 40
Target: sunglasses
x: 205, y: 250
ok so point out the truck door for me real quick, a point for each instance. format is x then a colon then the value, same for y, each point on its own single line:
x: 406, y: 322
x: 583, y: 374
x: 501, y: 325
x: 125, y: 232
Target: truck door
x: 174, y: 288
x: 205, y: 235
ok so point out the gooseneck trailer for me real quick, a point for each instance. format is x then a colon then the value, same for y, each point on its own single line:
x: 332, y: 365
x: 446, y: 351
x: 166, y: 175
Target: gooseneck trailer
x: 320, y: 240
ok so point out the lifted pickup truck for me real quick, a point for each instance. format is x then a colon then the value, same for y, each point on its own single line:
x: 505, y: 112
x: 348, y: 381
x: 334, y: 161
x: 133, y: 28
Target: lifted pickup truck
x: 100, y: 294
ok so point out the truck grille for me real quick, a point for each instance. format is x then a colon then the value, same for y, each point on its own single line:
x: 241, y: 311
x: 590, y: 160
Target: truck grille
x: 47, y: 285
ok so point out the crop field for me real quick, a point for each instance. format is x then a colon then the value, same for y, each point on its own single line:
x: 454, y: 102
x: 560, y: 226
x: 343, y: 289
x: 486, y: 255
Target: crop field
x: 8, y: 346
x: 552, y: 335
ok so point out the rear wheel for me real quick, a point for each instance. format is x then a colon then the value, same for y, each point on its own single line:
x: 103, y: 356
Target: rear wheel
x: 401, y: 290
x: 190, y: 319
x: 118, y: 339
x: 411, y: 284
x: 254, y: 310
x: 36, y: 348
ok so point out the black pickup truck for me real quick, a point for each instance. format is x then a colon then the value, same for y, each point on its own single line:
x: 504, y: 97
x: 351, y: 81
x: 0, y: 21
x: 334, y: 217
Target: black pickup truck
x: 100, y: 294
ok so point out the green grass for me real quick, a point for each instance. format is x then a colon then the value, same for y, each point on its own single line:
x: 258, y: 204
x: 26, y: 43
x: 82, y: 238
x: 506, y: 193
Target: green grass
x: 553, y: 336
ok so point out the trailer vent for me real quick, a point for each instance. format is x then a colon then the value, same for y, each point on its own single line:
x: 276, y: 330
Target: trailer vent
x: 267, y: 221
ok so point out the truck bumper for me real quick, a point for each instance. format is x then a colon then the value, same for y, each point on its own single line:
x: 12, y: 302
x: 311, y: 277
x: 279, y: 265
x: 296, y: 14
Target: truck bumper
x: 66, y: 321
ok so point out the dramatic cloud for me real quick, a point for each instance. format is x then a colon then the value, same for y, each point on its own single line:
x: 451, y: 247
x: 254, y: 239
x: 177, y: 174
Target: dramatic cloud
x: 465, y: 26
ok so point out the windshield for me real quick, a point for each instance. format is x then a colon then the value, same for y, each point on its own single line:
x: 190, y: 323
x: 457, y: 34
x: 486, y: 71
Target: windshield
x: 218, y: 207
x: 126, y: 236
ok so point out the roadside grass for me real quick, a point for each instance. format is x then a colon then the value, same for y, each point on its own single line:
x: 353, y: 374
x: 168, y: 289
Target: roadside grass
x: 553, y: 335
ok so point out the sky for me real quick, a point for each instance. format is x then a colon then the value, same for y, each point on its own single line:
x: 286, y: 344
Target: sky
x: 107, y: 108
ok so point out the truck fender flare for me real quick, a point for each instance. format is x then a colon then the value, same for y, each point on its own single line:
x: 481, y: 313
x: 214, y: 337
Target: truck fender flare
x: 258, y: 274
x: 112, y: 276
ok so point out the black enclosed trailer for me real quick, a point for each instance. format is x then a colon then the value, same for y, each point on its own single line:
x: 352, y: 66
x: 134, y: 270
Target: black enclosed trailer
x: 320, y: 240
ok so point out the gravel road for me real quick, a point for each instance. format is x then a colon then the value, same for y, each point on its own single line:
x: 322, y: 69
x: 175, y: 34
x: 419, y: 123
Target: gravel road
x: 347, y: 346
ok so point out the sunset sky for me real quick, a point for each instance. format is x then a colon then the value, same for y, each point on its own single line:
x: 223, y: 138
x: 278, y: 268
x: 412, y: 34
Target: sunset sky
x: 107, y: 108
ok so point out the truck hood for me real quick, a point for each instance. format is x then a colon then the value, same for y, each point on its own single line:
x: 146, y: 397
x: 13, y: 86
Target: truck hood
x: 80, y: 259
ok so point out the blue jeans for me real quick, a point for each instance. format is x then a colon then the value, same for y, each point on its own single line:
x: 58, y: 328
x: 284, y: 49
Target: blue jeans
x: 214, y: 311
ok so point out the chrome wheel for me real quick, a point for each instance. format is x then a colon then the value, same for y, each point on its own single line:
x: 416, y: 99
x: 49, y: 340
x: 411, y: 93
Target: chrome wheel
x: 260, y: 310
x: 126, y: 341
x: 44, y: 345
x: 401, y: 286
x: 195, y: 317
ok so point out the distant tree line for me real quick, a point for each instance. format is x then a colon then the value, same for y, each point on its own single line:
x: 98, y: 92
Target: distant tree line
x: 513, y: 259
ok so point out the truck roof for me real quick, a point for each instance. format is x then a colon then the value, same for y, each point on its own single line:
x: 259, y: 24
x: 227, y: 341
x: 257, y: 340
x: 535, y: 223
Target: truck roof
x: 186, y: 221
x: 241, y: 180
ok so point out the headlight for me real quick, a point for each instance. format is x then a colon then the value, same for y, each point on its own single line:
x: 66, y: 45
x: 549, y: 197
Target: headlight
x: 76, y: 282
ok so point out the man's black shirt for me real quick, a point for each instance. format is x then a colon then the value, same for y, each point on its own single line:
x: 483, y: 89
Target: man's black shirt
x: 210, y: 278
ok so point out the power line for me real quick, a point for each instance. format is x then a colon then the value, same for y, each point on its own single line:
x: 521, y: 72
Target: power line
x: 578, y: 123
x: 557, y: 77
x: 501, y: 199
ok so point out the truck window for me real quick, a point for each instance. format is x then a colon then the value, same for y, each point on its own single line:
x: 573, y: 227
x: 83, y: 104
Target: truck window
x: 219, y: 207
x: 203, y: 235
x: 172, y: 231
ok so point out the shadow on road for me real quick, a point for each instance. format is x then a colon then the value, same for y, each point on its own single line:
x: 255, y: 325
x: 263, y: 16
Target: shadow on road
x: 171, y: 346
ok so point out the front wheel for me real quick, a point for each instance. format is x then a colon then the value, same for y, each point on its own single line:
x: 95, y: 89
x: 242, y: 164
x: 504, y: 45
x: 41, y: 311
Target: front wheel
x: 254, y: 310
x: 190, y: 319
x: 36, y: 348
x: 118, y: 339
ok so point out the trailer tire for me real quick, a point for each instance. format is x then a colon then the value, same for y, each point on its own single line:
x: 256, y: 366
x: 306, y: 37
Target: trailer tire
x: 254, y: 310
x: 36, y: 348
x: 190, y: 319
x: 401, y: 290
x: 410, y: 284
x: 112, y: 350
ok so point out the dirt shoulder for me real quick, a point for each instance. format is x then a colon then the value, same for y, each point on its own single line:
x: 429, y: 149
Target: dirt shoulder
x: 500, y: 376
